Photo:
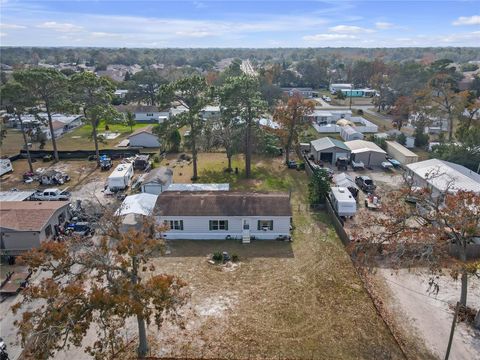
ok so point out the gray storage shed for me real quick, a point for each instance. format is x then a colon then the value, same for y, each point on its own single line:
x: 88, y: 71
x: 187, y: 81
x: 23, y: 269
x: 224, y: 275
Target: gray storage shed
x: 367, y: 152
x: 328, y: 149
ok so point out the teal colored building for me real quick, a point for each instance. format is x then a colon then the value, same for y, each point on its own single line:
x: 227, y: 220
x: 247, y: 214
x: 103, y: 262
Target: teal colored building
x: 358, y: 92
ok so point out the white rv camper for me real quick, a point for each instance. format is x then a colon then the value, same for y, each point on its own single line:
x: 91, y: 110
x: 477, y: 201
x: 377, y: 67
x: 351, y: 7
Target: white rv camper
x: 5, y: 166
x: 120, y: 178
x: 343, y: 201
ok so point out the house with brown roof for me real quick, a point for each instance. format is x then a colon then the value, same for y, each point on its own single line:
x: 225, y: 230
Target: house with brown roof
x: 26, y: 224
x: 221, y: 215
x: 144, y: 137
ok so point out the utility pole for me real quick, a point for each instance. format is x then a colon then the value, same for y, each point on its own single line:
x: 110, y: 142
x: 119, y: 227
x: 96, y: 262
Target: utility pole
x: 452, y: 330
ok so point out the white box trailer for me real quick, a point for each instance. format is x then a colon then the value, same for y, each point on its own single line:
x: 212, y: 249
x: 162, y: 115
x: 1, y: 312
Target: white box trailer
x: 5, y: 166
x: 120, y: 178
x: 343, y: 201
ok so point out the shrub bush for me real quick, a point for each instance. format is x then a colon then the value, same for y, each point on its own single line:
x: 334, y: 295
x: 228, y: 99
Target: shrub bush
x: 235, y: 258
x: 156, y: 159
x: 217, y: 256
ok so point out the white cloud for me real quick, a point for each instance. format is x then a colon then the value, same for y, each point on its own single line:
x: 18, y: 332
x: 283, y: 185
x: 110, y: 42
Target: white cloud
x: 328, y: 37
x: 347, y: 29
x: 467, y: 20
x: 60, y: 27
x: 194, y: 34
x: 455, y: 38
x: 101, y: 34
x: 383, y: 25
x: 199, y: 5
x: 12, y: 26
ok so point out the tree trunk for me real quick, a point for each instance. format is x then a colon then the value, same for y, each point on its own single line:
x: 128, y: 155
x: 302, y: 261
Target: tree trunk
x: 248, y: 149
x: 450, y: 127
x: 142, y: 337
x: 229, y: 158
x: 463, y: 258
x: 194, y: 153
x: 287, y: 154
x: 29, y: 159
x: 95, y: 140
x: 54, y: 141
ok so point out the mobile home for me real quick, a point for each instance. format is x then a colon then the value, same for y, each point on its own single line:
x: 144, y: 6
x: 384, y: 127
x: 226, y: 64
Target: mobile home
x: 120, y: 178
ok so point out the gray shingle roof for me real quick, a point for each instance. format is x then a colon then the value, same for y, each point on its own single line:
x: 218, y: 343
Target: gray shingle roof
x: 327, y: 143
x: 222, y: 203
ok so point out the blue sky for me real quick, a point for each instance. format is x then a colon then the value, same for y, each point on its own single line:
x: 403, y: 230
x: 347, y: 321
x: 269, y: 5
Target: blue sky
x: 156, y: 23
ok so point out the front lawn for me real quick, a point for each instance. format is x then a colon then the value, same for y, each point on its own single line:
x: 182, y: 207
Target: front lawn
x: 283, y: 300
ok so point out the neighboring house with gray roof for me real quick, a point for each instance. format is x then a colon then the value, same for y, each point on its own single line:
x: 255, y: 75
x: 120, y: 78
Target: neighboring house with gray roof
x: 220, y: 215
x: 328, y: 149
x: 144, y: 137
x: 157, y: 180
x: 440, y: 176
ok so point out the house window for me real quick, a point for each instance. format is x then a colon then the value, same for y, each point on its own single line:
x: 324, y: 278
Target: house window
x: 150, y: 115
x: 48, y: 231
x: 265, y: 225
x: 218, y: 225
x: 176, y: 224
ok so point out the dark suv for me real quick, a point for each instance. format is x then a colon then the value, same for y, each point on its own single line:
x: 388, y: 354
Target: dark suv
x: 365, y: 183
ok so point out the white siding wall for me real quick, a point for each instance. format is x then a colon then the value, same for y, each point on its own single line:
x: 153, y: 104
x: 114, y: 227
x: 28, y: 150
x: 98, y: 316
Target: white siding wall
x: 142, y: 116
x: 144, y: 140
x: 197, y: 227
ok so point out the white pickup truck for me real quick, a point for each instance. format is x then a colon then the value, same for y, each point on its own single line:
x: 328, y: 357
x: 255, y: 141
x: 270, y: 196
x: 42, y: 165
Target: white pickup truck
x: 51, y: 194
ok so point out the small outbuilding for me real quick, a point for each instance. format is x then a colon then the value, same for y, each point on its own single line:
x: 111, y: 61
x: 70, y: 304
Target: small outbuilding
x: 349, y: 133
x: 157, y: 180
x: 401, y: 153
x: 328, y: 149
x: 144, y: 137
x: 367, y: 152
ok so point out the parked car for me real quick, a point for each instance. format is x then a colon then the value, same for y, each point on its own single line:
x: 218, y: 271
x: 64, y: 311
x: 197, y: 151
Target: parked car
x: 342, y: 163
x: 51, y: 194
x: 358, y: 165
x: 327, y: 99
x: 394, y: 162
x: 105, y: 162
x: 80, y: 228
x: 292, y: 164
x: 365, y: 183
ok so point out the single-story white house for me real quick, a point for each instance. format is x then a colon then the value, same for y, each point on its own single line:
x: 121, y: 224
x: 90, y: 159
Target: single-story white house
x: 157, y: 180
x: 336, y: 87
x: 328, y: 149
x: 367, y: 152
x: 440, y: 176
x: 220, y: 215
x: 349, y: 133
x: 121, y: 93
x: 144, y: 137
x: 145, y: 113
x: 329, y: 116
x: 24, y: 225
x: 210, y: 112
x: 306, y: 92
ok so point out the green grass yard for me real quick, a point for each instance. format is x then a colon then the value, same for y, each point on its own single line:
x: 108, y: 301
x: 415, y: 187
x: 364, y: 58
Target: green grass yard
x: 78, y: 139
